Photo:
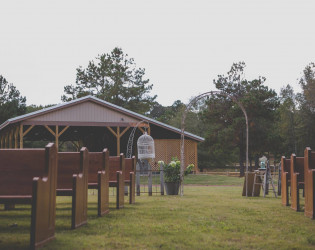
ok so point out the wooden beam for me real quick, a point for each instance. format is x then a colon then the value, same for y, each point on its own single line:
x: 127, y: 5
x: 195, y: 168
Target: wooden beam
x: 118, y: 141
x: 113, y: 132
x: 64, y: 130
x: 57, y: 137
x: 143, y: 124
x: 28, y: 130
x: 16, y: 135
x: 50, y: 130
x: 5, y: 141
x: 10, y: 138
x: 141, y: 129
x: 125, y: 130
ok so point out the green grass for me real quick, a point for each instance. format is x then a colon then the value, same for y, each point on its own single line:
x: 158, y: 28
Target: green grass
x: 206, y: 217
x: 215, y: 180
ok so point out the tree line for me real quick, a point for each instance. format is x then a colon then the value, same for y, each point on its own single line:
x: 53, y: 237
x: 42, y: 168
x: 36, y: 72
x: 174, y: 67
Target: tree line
x: 279, y: 124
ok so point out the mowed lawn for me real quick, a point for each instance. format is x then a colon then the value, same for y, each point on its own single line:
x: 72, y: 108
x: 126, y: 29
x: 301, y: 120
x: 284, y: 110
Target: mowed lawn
x: 206, y: 217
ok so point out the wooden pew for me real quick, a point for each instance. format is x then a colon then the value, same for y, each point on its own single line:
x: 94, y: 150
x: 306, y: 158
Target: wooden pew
x: 116, y: 177
x: 29, y: 176
x: 130, y: 169
x: 72, y: 181
x: 99, y: 179
x: 309, y: 182
x: 285, y: 180
x: 297, y: 180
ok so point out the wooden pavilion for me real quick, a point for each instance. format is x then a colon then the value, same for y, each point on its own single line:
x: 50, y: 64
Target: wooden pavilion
x: 96, y: 124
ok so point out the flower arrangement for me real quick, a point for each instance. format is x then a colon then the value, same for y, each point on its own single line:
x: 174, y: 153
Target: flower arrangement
x: 172, y: 170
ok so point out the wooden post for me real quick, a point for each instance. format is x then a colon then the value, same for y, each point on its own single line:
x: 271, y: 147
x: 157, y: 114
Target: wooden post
x: 10, y: 138
x: 56, y: 134
x: 118, y: 135
x: 149, y: 177
x: 138, y: 177
x: 118, y: 141
x: 21, y: 136
x: 6, y: 140
x: 2, y: 141
x: 16, y: 134
x: 57, y: 137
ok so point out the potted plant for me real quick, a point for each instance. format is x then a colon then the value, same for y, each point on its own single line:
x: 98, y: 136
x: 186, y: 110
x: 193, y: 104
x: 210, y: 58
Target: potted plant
x: 172, y: 175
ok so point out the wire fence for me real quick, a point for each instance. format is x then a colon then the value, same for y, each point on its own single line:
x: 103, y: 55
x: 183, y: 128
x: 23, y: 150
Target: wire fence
x: 149, y: 181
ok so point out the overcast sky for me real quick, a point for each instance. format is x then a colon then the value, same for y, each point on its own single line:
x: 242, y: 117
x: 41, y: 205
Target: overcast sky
x: 183, y: 45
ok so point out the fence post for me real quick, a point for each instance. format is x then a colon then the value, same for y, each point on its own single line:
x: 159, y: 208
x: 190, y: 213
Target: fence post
x: 149, y: 178
x: 138, y: 177
x: 162, y: 178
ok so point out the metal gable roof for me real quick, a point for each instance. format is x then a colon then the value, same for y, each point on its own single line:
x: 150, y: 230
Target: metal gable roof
x: 103, y: 103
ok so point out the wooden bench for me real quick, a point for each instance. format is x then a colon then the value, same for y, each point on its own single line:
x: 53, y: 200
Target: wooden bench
x: 285, y: 180
x: 72, y: 181
x: 309, y: 183
x: 130, y: 169
x: 297, y: 180
x: 99, y: 179
x: 29, y: 176
x: 116, y: 177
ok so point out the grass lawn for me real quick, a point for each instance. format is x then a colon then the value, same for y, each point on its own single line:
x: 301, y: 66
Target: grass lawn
x: 206, y: 217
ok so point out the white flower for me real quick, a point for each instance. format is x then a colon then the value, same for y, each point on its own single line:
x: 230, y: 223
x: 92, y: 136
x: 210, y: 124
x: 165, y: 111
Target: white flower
x: 173, y: 164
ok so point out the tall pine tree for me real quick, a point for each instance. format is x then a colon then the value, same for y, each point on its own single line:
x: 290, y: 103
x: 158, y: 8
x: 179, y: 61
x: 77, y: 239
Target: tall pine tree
x: 115, y: 78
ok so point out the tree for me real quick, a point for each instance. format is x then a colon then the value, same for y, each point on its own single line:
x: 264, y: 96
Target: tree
x: 306, y: 99
x: 114, y: 78
x: 167, y: 114
x: 11, y: 102
x: 227, y: 131
x: 287, y: 121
